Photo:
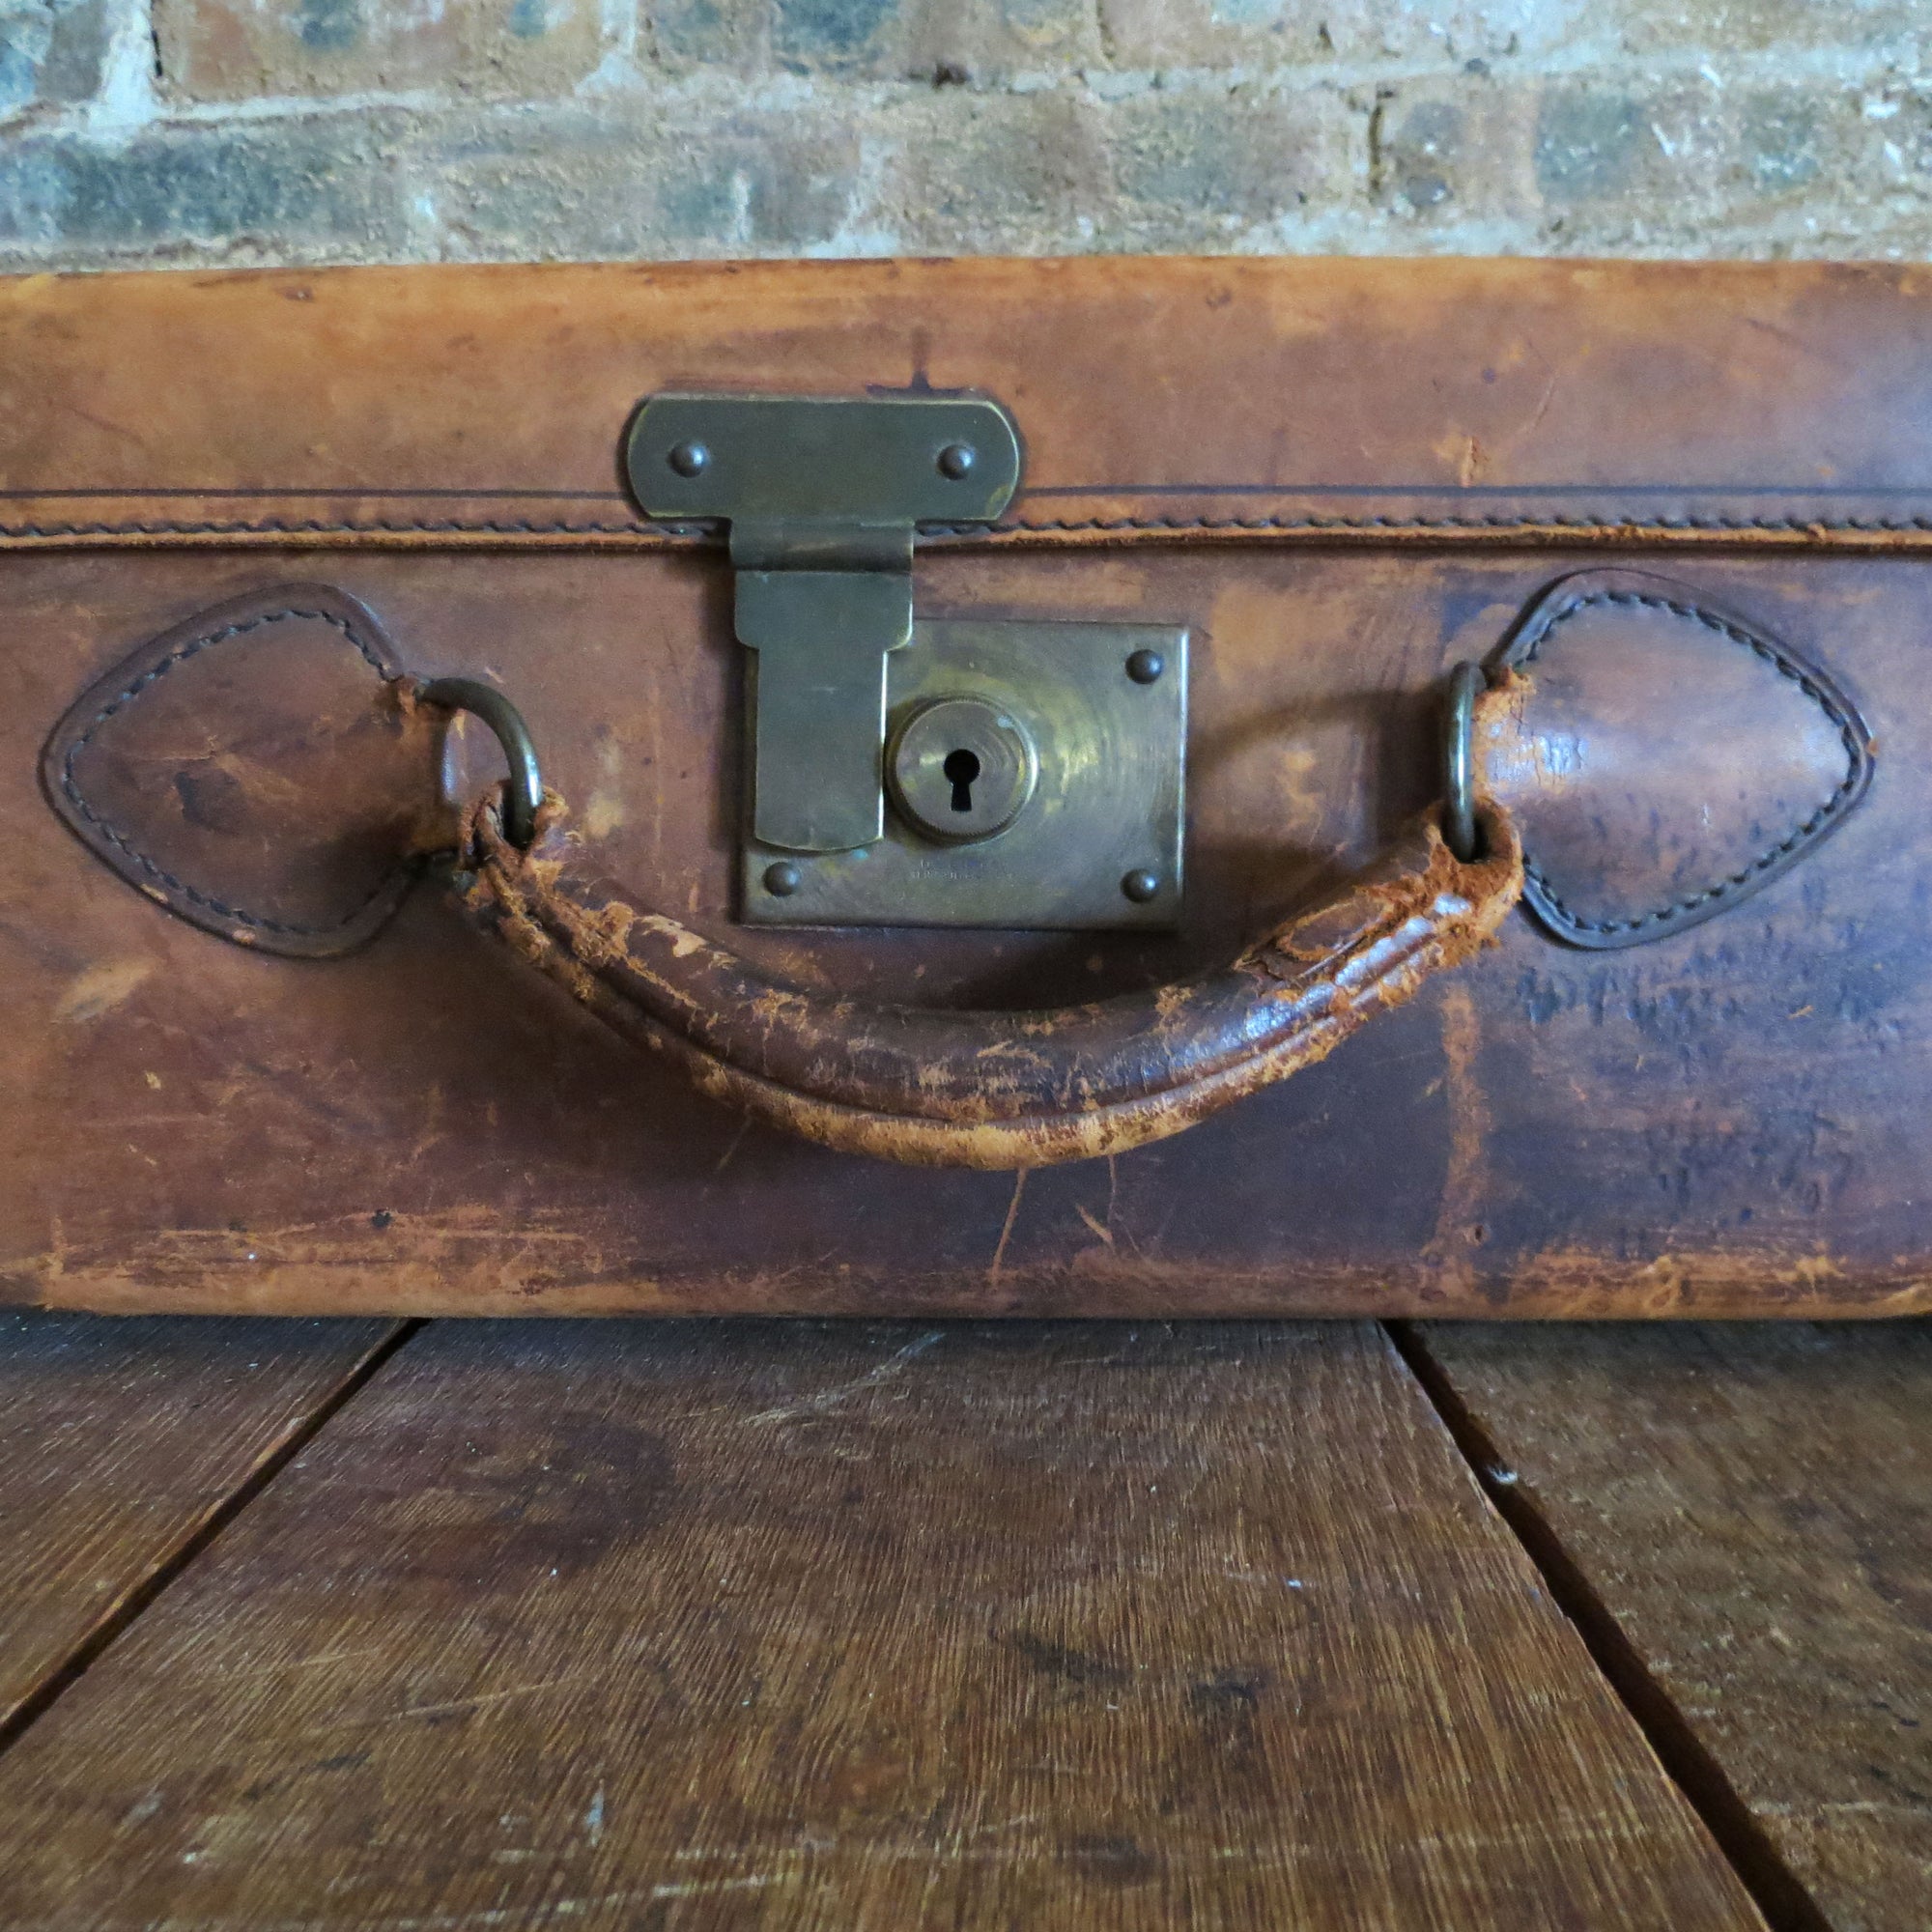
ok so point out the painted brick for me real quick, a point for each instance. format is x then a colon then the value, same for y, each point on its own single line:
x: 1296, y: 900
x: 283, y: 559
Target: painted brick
x: 51, y: 52
x: 242, y: 49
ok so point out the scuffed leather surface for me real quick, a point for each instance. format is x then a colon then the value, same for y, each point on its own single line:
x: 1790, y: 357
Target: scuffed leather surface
x: 1664, y: 756
x: 259, y: 770
x: 996, y: 1090
x: 1726, y: 1123
x: 1729, y: 1122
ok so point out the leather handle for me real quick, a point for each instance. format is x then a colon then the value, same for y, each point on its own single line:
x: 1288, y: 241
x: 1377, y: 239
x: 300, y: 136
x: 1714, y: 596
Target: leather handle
x: 994, y: 1089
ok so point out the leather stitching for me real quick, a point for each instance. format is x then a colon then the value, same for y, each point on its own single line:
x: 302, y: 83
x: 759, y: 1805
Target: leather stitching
x: 122, y: 700
x: 1739, y: 881
x: 1609, y: 524
x: 279, y: 526
x: 522, y: 528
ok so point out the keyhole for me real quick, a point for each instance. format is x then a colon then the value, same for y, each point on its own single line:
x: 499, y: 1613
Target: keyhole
x: 961, y: 768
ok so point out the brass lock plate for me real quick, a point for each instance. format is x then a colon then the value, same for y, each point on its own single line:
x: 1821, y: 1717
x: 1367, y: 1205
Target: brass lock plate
x: 1034, y: 778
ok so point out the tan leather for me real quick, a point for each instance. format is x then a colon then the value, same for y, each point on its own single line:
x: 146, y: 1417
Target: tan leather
x: 1241, y: 401
x: 1343, y: 477
x: 997, y: 1090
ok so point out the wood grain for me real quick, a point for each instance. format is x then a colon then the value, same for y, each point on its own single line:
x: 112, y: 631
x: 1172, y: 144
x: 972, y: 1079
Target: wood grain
x: 1753, y: 1506
x: 785, y: 1625
x: 118, y: 1442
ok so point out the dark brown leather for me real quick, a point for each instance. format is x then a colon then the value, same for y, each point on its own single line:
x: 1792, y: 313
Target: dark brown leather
x: 991, y: 1090
x: 1664, y: 757
x: 1343, y: 476
x: 259, y: 770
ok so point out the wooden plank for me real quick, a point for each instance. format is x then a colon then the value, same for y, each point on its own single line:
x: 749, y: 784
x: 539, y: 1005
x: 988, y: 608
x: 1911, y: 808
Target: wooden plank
x: 120, y: 1441
x: 1753, y: 1508
x: 692, y: 1624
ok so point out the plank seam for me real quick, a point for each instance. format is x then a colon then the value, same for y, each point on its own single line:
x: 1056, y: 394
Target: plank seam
x: 128, y: 1609
x: 1775, y: 1888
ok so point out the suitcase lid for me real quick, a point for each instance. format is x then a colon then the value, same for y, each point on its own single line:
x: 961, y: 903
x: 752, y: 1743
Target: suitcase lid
x: 1451, y: 402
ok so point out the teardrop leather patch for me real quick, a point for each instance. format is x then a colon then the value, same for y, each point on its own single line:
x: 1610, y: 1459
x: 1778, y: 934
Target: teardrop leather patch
x: 1664, y: 757
x: 258, y: 770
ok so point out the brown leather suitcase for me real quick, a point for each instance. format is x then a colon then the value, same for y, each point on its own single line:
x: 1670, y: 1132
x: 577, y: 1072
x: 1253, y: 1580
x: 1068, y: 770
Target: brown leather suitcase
x: 1115, y: 787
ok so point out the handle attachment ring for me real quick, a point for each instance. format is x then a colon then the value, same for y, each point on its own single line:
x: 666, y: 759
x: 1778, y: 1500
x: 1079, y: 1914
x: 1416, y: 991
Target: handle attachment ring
x: 1460, y: 828
x: 523, y: 793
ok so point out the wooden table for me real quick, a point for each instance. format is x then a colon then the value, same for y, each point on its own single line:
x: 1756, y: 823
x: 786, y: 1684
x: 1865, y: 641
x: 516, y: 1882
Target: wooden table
x: 786, y: 1625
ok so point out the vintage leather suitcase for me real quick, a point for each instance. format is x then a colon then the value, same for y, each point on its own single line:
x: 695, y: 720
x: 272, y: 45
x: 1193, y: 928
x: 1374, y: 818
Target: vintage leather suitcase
x: 1116, y: 787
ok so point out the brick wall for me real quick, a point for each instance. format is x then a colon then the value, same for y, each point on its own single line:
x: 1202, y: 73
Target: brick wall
x: 159, y: 131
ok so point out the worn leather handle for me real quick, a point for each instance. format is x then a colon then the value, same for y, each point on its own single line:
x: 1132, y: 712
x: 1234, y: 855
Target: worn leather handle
x: 993, y: 1089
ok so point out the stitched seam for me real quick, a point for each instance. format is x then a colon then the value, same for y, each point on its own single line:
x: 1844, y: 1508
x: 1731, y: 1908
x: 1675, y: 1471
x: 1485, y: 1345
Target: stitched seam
x: 1554, y: 521
x: 1785, y: 847
x: 70, y: 785
x: 316, y: 527
x: 458, y: 526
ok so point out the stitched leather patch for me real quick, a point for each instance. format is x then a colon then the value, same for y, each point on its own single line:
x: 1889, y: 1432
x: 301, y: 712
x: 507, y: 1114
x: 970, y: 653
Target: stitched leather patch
x: 258, y: 770
x: 1665, y: 757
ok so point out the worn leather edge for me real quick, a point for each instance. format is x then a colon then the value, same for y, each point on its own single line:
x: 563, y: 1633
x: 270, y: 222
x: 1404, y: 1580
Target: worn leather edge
x: 1572, y: 595
x: 996, y: 1091
x: 123, y: 685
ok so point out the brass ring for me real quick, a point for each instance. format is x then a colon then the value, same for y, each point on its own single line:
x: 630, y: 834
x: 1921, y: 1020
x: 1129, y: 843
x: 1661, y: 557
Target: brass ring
x: 1467, y: 684
x: 525, y: 792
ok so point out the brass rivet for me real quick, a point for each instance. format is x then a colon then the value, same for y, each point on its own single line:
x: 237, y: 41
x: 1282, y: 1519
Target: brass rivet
x: 1141, y: 886
x: 955, y: 460
x: 1146, y: 666
x: 689, y: 459
x: 782, y: 879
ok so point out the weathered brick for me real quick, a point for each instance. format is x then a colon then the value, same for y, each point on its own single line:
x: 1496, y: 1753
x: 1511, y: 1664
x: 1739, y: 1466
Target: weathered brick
x: 837, y: 37
x: 303, y: 191
x: 733, y: 34
x: 984, y: 43
x: 1591, y: 143
x: 540, y: 127
x: 577, y: 184
x: 1781, y: 137
x: 943, y: 42
x: 991, y: 173
x: 1219, y: 33
x: 1452, y: 151
x: 239, y: 49
x: 1725, y: 29
x: 51, y: 52
x: 1222, y: 168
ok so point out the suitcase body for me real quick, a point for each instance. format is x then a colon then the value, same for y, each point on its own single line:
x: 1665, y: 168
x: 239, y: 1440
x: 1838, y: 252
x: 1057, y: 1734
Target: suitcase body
x: 1684, y: 510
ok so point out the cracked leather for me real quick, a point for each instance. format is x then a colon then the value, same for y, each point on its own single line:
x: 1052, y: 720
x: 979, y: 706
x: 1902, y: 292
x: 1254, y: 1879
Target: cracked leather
x: 1664, y: 756
x: 932, y: 1087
